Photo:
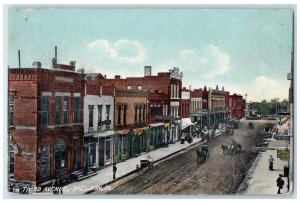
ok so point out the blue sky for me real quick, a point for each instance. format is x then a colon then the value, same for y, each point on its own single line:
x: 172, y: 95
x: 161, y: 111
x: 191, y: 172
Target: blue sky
x: 244, y: 50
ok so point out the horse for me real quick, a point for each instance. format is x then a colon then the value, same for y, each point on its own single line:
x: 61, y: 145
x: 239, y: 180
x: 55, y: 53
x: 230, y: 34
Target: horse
x: 201, y: 155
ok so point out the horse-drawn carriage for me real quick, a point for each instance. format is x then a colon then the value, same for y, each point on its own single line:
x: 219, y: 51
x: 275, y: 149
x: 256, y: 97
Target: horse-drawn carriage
x: 146, y: 163
x: 202, y: 153
x: 233, y: 148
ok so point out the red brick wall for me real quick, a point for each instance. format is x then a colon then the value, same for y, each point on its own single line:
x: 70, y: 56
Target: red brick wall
x: 25, y: 169
x: 27, y: 86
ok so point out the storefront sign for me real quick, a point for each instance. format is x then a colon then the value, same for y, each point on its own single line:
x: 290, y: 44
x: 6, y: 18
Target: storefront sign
x: 283, y: 154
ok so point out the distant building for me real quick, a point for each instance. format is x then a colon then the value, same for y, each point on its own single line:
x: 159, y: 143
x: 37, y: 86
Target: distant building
x: 216, y: 106
x: 236, y: 107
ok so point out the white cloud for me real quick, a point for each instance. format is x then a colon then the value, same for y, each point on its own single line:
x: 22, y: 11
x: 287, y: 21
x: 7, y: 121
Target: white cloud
x: 214, y: 61
x: 131, y: 52
x: 103, y: 48
x: 263, y: 87
x: 209, y: 61
x: 185, y: 54
x: 122, y: 51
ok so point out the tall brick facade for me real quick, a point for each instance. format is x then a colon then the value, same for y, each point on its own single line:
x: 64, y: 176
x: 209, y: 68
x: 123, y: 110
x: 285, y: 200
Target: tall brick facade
x: 236, y: 107
x: 46, y: 131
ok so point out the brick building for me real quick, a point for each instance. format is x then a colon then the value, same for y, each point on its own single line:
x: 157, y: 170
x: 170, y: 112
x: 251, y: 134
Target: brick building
x: 130, y: 121
x: 199, y: 107
x: 164, y: 97
x: 45, y: 117
x: 216, y: 106
x: 236, y: 106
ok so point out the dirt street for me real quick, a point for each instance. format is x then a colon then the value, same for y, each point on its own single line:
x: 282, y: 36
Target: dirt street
x: 219, y: 174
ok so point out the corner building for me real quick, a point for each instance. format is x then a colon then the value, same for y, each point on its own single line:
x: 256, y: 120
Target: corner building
x: 45, y: 124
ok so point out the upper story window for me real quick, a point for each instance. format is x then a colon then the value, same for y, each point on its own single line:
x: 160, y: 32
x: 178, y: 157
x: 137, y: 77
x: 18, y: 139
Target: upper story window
x: 11, y: 104
x: 100, y: 115
x: 128, y: 87
x: 58, y: 109
x: 139, y: 87
x: 100, y: 91
x: 107, y: 112
x: 107, y: 115
x: 91, y: 116
x: 76, y: 109
x: 66, y: 109
x: 44, y: 111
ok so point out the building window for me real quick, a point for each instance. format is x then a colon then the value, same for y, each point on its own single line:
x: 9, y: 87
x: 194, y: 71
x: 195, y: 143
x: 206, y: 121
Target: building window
x: 107, y: 112
x: 100, y: 115
x: 172, y: 91
x: 11, y: 159
x: 139, y: 87
x: 61, y: 156
x: 107, y: 115
x: 44, y: 161
x: 140, y: 114
x: 66, y: 109
x: 128, y: 87
x: 58, y: 109
x: 166, y: 109
x: 44, y: 111
x: 124, y: 115
x: 91, y: 116
x: 100, y: 91
x: 135, y: 113
x: 77, y: 110
x: 107, y: 149
x: 11, y: 110
x: 144, y: 113
x: 119, y: 114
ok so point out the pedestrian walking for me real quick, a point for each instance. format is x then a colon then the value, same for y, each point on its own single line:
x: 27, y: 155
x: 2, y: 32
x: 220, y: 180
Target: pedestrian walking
x: 271, y: 161
x: 280, y: 183
x: 114, y: 170
x: 54, y: 187
x: 60, y: 185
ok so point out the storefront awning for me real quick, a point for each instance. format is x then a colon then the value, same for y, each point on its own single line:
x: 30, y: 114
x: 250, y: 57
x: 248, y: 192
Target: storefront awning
x: 105, y: 133
x: 139, y: 131
x: 156, y: 124
x: 123, y: 132
x: 186, y: 122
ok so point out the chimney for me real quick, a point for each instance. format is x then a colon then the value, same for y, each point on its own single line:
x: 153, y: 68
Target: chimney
x: 36, y: 64
x: 117, y: 77
x: 105, y: 76
x: 19, y: 58
x: 147, y: 70
x: 55, y: 54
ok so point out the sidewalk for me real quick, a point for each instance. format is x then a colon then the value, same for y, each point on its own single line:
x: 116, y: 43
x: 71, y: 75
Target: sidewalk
x: 105, y: 175
x: 263, y: 181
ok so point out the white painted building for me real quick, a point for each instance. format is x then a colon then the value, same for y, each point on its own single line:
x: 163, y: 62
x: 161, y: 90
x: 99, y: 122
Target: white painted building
x: 98, y: 130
